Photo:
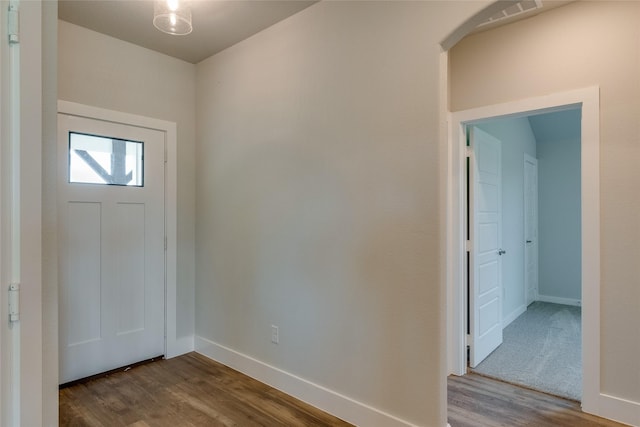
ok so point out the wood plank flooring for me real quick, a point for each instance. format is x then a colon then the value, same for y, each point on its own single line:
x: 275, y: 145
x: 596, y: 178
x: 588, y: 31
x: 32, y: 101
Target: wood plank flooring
x: 477, y: 401
x: 192, y: 390
x: 189, y: 390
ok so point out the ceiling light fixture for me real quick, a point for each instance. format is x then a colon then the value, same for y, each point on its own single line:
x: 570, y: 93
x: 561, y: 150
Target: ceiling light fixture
x: 172, y: 17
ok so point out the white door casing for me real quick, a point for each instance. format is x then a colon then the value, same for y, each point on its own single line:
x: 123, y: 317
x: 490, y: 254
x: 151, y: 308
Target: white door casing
x: 485, y: 284
x: 112, y: 271
x: 530, y: 228
x: 588, y: 99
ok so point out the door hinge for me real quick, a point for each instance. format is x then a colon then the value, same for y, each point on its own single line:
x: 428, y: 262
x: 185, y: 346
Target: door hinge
x: 468, y: 151
x: 467, y: 245
x: 13, y: 26
x: 14, y: 302
x: 165, y: 243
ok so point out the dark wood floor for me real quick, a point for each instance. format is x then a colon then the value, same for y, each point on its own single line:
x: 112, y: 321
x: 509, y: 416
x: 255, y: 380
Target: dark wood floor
x: 476, y: 401
x: 189, y: 390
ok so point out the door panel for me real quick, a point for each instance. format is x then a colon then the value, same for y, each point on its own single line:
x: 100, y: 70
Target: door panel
x: 111, y: 237
x: 129, y: 267
x: 488, y: 316
x: 83, y: 283
x: 485, y: 291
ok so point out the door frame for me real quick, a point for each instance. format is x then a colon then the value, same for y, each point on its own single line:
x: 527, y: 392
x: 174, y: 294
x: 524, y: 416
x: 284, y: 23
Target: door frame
x: 173, y: 346
x: 534, y: 161
x: 588, y: 99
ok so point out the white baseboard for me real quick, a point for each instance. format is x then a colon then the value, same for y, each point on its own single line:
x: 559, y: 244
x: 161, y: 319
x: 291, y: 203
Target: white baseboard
x: 558, y: 300
x: 341, y: 406
x: 180, y: 346
x: 617, y: 409
x: 513, y: 315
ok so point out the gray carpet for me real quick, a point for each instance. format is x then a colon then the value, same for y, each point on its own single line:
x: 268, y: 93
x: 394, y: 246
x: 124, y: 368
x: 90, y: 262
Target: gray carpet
x: 541, y: 349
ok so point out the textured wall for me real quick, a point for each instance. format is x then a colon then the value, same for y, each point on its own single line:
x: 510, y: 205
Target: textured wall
x: 559, y: 204
x: 318, y: 200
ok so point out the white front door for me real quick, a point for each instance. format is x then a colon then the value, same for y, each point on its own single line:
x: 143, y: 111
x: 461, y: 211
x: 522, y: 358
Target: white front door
x: 485, y: 272
x: 530, y: 228
x: 111, y: 245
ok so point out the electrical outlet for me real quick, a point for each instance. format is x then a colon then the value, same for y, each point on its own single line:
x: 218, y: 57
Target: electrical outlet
x: 275, y: 334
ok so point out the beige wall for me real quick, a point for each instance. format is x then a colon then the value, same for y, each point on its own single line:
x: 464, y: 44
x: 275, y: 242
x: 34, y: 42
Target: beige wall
x: 575, y: 46
x: 101, y: 71
x: 318, y: 200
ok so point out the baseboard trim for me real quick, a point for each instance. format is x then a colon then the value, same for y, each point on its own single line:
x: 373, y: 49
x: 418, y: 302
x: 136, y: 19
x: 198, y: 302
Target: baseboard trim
x: 180, y: 346
x: 558, y: 300
x: 618, y: 409
x: 513, y: 316
x: 339, y: 405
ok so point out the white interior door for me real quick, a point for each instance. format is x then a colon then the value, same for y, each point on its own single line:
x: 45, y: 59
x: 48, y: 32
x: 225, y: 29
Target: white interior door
x: 485, y: 290
x: 530, y: 228
x: 111, y: 237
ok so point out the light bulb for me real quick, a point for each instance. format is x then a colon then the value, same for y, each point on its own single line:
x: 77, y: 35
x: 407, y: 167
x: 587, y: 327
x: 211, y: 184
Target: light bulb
x: 172, y: 5
x: 172, y: 16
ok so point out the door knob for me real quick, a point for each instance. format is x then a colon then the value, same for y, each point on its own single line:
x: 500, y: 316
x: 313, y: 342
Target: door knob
x: 501, y: 251
x: 528, y: 241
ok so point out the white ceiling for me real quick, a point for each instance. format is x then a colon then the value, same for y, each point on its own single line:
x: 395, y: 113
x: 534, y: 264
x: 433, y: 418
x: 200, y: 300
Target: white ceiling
x: 217, y: 24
